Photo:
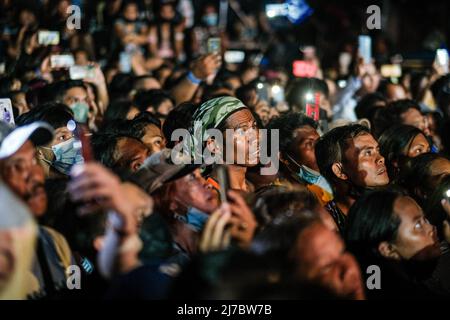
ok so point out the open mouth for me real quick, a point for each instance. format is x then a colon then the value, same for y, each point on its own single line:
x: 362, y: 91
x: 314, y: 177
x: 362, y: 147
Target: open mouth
x: 381, y: 171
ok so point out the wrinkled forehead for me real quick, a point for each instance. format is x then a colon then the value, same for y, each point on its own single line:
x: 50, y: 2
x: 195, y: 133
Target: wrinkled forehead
x: 240, y: 117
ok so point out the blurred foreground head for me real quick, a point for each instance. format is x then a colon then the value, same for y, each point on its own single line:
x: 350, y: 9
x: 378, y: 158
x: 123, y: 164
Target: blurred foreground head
x: 17, y: 238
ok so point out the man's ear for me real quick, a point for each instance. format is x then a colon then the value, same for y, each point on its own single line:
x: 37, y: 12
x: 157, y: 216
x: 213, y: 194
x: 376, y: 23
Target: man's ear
x: 388, y: 250
x: 212, y: 146
x: 98, y: 243
x: 283, y: 160
x: 338, y: 171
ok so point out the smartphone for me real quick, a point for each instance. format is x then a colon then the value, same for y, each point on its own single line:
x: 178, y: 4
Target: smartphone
x: 278, y: 95
x: 224, y: 181
x: 214, y: 45
x: 6, y: 111
x: 365, y: 48
x: 81, y: 72
x: 234, y: 56
x: 304, y: 69
x: 48, y: 38
x: 442, y: 59
x: 391, y: 71
x: 262, y: 90
x: 274, y: 10
x: 312, y: 108
x: 447, y: 195
x: 125, y: 62
x: 84, y: 138
x: 63, y: 61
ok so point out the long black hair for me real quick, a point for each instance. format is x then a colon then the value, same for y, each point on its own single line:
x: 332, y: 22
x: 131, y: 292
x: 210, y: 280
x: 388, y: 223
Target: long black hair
x: 394, y: 144
x: 371, y: 220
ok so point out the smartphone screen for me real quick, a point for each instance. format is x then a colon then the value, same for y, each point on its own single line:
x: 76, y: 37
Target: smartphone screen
x: 365, y: 48
x: 224, y: 182
x: 391, y: 71
x: 234, y: 56
x: 274, y: 10
x: 63, y: 61
x: 6, y: 111
x: 46, y: 37
x: 304, y: 69
x: 442, y: 59
x: 214, y: 45
x: 84, y: 138
x: 81, y: 72
x: 277, y: 94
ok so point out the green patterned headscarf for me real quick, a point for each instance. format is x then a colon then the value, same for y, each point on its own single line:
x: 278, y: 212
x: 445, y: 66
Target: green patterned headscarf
x: 211, y: 115
x: 214, y: 111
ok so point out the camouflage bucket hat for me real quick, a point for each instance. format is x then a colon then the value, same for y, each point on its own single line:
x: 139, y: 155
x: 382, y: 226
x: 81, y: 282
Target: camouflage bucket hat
x: 210, y: 115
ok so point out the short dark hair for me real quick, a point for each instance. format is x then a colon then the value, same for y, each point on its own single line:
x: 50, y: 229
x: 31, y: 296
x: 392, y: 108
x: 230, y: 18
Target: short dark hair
x: 117, y: 109
x: 60, y: 88
x: 55, y: 114
x: 394, y: 143
x: 384, y: 118
x: 281, y: 202
x: 150, y: 98
x: 104, y: 146
x: 178, y: 118
x: 371, y: 220
x: 367, y: 105
x: 243, y: 93
x: 331, y: 147
x: 416, y: 175
x: 287, y: 124
x: 141, y: 121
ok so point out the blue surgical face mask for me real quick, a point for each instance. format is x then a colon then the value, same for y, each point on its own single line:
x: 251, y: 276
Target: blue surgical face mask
x: 311, y: 176
x: 67, y: 154
x: 80, y: 111
x: 210, y: 19
x: 196, y: 218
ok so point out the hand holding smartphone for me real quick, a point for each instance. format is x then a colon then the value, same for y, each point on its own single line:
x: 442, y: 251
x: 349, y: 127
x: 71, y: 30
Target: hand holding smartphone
x: 214, y: 46
x: 224, y: 182
x: 365, y: 48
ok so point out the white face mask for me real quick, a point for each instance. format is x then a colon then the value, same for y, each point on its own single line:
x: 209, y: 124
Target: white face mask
x: 67, y: 154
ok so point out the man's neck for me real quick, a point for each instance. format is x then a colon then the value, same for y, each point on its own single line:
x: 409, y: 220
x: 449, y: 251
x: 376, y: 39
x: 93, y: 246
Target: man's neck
x: 237, y: 177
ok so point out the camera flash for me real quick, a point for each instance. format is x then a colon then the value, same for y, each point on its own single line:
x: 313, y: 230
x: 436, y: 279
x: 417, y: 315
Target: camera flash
x: 276, y: 89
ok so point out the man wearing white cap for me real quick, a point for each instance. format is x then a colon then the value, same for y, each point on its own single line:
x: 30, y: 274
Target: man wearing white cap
x: 19, y: 169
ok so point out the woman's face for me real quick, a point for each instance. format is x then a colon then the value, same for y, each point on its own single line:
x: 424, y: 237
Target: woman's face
x: 245, y: 137
x: 416, y: 237
x: 418, y: 146
x: 165, y: 107
x: 167, y: 12
x: 193, y: 191
x: 131, y: 12
x: 27, y: 18
x: 153, y: 138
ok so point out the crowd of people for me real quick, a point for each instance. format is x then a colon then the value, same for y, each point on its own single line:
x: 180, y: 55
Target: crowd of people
x: 96, y: 204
